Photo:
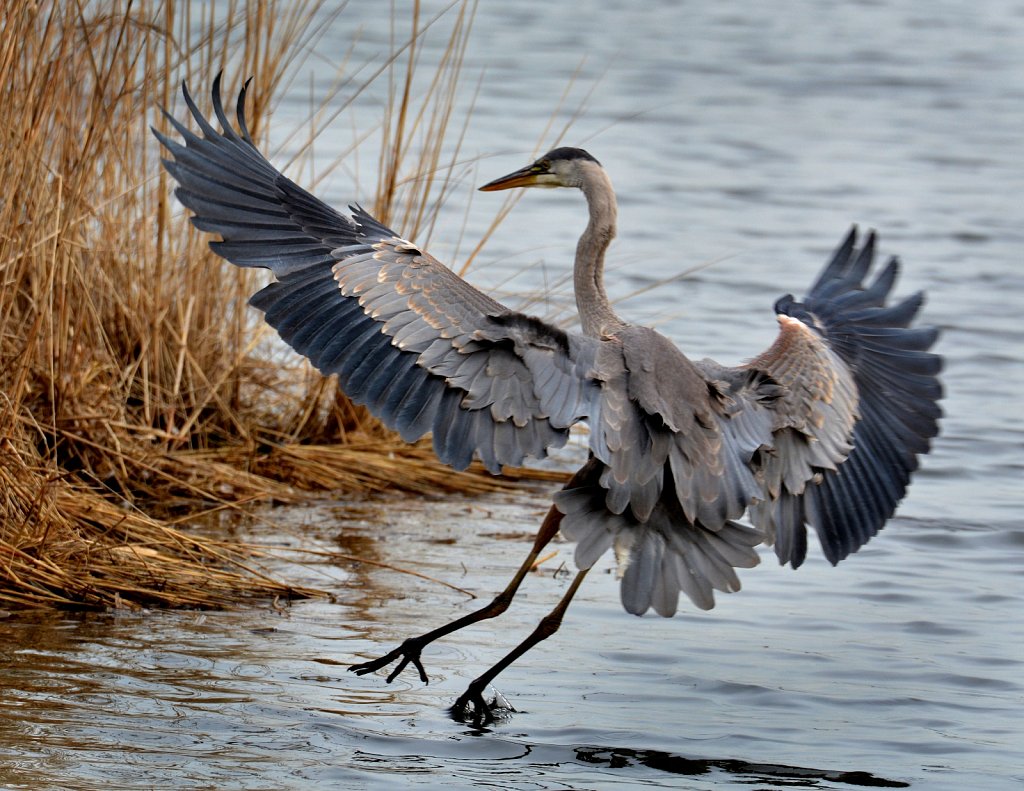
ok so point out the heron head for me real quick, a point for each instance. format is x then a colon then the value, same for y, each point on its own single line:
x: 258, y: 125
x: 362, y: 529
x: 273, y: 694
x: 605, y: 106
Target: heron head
x: 560, y: 167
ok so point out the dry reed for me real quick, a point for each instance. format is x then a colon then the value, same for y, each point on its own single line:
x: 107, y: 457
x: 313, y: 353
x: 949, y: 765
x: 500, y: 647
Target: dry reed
x: 130, y: 385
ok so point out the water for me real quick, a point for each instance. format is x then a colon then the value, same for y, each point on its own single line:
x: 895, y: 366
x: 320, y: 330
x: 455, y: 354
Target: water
x: 744, y: 134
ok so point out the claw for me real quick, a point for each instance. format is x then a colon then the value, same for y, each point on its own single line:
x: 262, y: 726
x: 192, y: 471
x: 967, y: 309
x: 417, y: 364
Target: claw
x: 472, y: 701
x: 408, y: 651
x: 483, y: 713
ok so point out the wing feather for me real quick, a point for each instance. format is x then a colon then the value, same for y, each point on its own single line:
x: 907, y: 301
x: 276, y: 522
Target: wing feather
x: 860, y: 407
x: 420, y: 347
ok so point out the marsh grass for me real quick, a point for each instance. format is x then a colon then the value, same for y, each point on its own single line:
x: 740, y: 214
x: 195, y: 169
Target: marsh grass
x: 133, y: 388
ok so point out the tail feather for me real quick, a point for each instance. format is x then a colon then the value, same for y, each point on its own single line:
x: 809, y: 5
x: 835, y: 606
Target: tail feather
x: 659, y: 558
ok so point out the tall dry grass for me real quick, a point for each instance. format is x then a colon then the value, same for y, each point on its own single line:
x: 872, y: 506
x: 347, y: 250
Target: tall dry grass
x: 131, y: 386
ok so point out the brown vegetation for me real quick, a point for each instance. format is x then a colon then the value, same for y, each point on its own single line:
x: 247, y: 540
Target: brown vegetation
x: 131, y: 387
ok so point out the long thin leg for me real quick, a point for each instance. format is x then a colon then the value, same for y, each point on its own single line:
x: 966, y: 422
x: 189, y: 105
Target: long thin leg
x: 473, y: 696
x: 409, y: 651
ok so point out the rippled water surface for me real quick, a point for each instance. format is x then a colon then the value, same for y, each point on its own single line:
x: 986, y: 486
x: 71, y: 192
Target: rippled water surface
x: 749, y: 135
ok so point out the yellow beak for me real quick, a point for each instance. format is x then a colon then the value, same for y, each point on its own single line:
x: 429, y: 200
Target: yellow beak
x: 524, y: 177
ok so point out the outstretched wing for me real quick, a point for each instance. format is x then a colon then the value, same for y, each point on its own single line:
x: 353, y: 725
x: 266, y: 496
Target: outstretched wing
x: 823, y: 429
x: 420, y: 347
x: 859, y: 405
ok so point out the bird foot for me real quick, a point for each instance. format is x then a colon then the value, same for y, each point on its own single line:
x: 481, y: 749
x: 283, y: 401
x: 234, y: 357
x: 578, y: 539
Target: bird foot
x: 472, y: 709
x: 408, y: 651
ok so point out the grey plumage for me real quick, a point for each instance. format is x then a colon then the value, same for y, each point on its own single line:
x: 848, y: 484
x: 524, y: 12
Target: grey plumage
x: 822, y: 430
x: 404, y: 334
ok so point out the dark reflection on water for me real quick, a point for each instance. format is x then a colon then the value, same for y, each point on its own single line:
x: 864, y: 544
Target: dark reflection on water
x: 748, y: 134
x: 748, y: 773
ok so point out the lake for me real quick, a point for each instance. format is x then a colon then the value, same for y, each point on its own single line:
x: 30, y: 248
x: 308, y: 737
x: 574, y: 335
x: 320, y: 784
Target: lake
x: 743, y: 139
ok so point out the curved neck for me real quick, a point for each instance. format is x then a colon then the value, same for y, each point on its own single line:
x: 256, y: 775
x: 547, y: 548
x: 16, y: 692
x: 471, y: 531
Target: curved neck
x: 596, y: 314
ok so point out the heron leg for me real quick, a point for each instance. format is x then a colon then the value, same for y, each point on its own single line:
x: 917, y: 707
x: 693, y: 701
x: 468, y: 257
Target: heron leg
x: 471, y: 706
x: 409, y: 650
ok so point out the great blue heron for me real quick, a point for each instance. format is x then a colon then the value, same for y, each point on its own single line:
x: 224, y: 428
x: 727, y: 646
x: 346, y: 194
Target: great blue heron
x: 823, y: 429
